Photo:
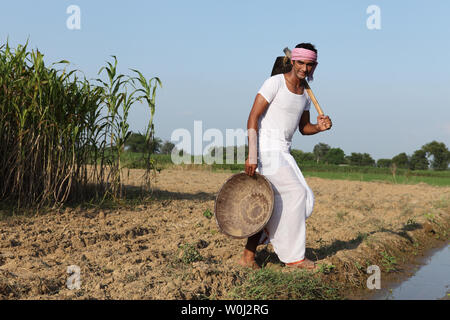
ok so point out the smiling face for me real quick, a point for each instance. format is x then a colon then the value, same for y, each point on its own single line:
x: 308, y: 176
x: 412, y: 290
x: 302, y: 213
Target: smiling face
x: 302, y: 68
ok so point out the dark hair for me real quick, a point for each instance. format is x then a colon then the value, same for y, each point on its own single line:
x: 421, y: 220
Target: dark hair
x: 307, y: 45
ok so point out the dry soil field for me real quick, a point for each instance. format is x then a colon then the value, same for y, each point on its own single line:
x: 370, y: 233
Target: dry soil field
x: 167, y: 248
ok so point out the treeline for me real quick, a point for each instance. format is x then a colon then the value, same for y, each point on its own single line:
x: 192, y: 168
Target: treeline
x: 434, y: 155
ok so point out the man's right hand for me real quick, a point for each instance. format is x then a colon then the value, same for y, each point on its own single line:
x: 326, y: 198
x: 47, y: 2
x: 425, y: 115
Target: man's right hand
x: 250, y: 168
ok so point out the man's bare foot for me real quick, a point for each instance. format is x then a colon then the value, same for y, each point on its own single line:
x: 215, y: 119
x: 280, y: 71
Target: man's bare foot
x: 248, y: 260
x: 303, y: 264
x: 249, y: 263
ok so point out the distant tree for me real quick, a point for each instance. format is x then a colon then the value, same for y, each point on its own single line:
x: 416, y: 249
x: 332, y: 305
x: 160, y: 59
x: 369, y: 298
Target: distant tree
x: 308, y: 156
x: 367, y: 160
x: 419, y: 160
x: 335, y: 156
x: 360, y: 159
x: 167, y: 147
x: 136, y: 142
x: 320, y: 150
x: 302, y: 157
x: 401, y: 160
x: 384, y: 163
x: 355, y: 159
x: 440, y: 154
x: 155, y: 145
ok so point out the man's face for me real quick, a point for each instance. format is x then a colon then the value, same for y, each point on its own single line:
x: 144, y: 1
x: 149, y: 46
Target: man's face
x: 302, y: 68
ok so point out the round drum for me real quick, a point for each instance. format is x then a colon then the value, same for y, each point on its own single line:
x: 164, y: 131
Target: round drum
x: 244, y: 205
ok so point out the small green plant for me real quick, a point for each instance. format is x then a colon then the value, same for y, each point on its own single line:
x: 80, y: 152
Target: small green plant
x: 208, y: 214
x: 320, y: 241
x: 411, y: 224
x: 358, y: 266
x: 388, y: 262
x: 131, y: 277
x: 362, y: 236
x: 190, y: 254
x: 430, y: 217
x: 416, y: 247
x: 326, y: 268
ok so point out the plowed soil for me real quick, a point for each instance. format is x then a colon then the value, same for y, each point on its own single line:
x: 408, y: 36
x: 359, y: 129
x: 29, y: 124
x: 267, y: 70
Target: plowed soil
x: 167, y: 248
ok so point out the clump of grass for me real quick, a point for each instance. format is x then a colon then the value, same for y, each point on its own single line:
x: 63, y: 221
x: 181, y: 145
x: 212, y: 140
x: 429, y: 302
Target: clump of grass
x: 358, y: 266
x: 207, y: 214
x: 430, y: 217
x: 388, y: 261
x: 411, y: 224
x: 362, y: 236
x: 190, y: 254
x: 326, y: 268
x: 267, y: 284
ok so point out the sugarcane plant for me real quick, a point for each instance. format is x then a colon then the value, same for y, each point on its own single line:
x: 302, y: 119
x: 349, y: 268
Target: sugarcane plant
x: 148, y: 93
x: 61, y: 137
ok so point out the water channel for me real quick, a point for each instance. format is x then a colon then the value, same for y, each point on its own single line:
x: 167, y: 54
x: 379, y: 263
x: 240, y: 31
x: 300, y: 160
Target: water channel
x: 431, y: 281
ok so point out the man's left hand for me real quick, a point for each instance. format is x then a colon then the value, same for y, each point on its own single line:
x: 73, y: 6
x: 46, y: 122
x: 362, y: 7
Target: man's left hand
x: 324, y: 123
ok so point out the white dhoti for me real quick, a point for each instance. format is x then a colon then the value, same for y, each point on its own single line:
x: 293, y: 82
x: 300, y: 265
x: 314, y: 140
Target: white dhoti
x: 294, y: 201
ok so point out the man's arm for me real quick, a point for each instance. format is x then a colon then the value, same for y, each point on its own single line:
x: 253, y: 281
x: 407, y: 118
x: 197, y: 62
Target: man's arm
x: 307, y: 128
x: 259, y: 106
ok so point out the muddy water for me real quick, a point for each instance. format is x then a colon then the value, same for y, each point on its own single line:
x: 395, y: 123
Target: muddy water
x: 431, y: 281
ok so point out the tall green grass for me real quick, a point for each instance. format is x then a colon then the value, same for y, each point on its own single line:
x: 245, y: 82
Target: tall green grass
x: 56, y: 128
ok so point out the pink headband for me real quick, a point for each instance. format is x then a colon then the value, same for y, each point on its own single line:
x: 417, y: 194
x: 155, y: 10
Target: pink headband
x: 305, y: 54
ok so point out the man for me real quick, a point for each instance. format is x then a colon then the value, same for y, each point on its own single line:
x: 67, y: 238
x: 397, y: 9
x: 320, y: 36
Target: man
x: 280, y: 107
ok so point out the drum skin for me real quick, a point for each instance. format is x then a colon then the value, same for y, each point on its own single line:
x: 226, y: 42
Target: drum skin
x: 244, y: 205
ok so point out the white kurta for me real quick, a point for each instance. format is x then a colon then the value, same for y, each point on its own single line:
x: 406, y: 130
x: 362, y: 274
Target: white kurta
x: 294, y: 200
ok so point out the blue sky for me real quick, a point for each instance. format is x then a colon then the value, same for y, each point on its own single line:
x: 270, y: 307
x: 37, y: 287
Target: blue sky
x: 385, y: 90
